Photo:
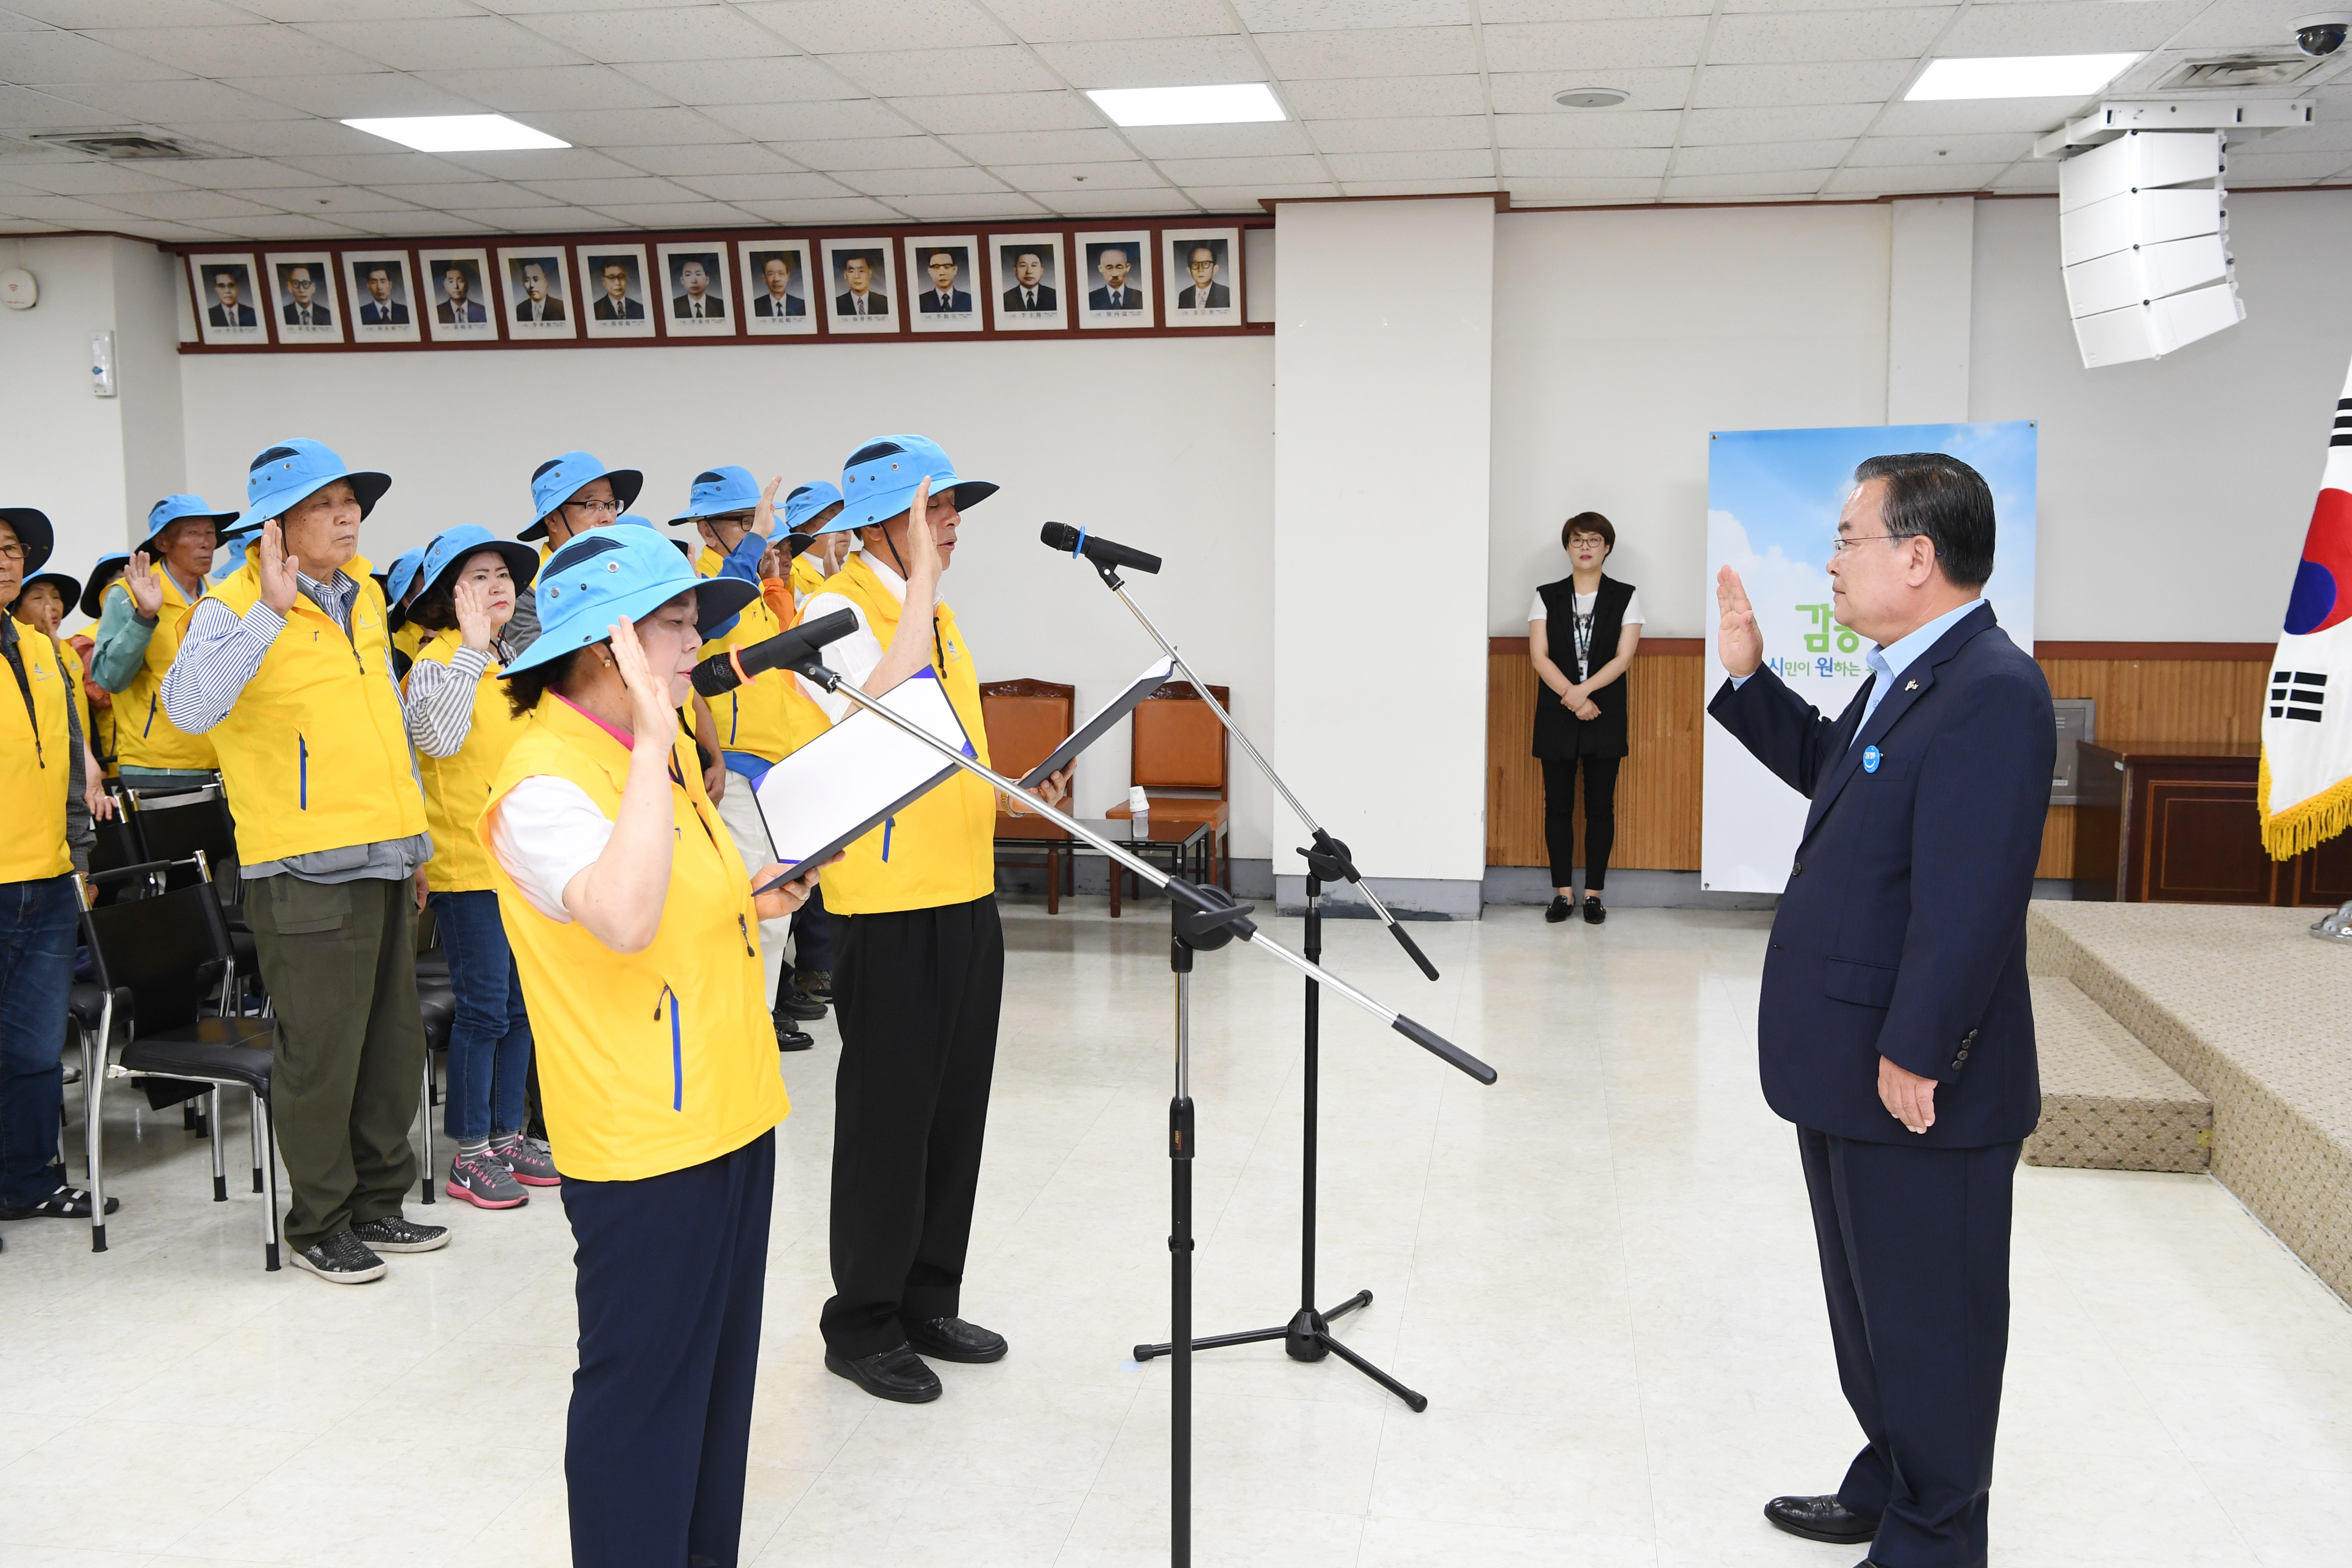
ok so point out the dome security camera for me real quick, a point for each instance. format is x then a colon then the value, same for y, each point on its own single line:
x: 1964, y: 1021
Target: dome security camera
x: 2321, y: 35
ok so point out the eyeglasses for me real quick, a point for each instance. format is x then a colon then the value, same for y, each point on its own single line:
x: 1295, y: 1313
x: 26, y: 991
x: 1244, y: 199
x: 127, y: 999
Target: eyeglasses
x: 611, y: 507
x: 740, y: 518
x: 1839, y: 545
x: 12, y: 553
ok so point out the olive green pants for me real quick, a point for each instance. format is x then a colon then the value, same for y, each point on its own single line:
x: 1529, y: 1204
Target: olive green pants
x: 340, y: 961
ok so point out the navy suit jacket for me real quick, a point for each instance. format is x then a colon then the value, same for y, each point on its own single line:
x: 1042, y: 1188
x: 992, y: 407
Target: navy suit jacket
x: 1902, y: 933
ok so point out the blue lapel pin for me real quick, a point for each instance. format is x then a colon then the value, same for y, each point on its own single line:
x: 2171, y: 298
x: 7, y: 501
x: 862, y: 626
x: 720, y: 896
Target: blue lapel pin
x: 1911, y: 685
x: 1870, y: 758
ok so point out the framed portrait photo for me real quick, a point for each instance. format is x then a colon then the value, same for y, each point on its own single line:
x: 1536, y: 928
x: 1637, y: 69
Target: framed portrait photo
x: 533, y: 294
x: 776, y: 295
x: 613, y: 278
x: 1116, y: 273
x: 1027, y: 280
x: 944, y: 284
x: 1205, y: 277
x: 859, y: 296
x: 380, y: 289
x: 694, y: 288
x: 302, y: 296
x: 458, y: 292
x: 229, y: 306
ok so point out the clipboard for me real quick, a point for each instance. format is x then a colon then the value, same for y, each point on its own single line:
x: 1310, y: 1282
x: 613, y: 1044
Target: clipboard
x: 856, y: 775
x: 1093, y: 730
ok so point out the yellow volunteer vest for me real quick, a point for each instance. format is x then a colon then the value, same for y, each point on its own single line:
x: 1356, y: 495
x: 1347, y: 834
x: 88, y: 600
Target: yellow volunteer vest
x: 654, y: 1061
x: 808, y: 577
x: 942, y: 849
x: 408, y: 638
x: 70, y: 658
x: 771, y: 717
x: 144, y: 736
x: 35, y: 766
x: 457, y: 787
x: 314, y: 755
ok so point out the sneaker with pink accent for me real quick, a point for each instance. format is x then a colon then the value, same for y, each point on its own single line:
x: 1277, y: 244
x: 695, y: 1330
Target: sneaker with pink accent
x: 528, y: 1159
x: 483, y: 1179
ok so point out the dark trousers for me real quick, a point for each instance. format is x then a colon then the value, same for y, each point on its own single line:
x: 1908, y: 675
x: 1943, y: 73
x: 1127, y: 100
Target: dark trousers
x: 812, y: 942
x: 38, y: 933
x: 1915, y: 1262
x: 1599, y: 818
x: 916, y: 994
x: 672, y: 1272
x: 339, y: 960
x: 490, y: 1038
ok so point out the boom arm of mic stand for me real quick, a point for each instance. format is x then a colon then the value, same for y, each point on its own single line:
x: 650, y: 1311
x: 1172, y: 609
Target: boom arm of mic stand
x: 1324, y: 841
x: 1176, y: 888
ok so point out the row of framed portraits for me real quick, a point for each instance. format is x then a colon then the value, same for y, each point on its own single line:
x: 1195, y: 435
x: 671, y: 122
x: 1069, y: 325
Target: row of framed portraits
x: 1163, y: 277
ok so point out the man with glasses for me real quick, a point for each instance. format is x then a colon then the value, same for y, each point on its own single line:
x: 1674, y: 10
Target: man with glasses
x: 229, y: 313
x: 1206, y: 293
x: 616, y: 305
x: 568, y: 495
x: 304, y: 309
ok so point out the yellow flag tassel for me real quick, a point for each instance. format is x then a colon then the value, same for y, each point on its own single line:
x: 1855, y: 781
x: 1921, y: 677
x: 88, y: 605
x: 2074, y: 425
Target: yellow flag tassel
x: 2307, y: 824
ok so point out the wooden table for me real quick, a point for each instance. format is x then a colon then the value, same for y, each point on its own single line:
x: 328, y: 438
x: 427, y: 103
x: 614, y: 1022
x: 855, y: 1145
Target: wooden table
x: 1184, y: 846
x: 2178, y: 823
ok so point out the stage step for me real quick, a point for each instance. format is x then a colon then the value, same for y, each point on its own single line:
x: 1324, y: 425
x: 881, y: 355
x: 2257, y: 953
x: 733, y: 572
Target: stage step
x: 2109, y: 1103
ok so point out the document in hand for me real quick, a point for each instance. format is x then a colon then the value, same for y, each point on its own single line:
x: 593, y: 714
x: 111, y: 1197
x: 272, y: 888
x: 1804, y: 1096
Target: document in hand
x: 1093, y: 730
x: 844, y: 783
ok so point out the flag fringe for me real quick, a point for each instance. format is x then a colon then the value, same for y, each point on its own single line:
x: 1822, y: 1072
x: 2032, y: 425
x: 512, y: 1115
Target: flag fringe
x: 2306, y: 825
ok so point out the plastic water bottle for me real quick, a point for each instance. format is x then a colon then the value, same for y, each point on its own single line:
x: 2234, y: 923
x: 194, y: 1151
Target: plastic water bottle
x: 1139, y: 806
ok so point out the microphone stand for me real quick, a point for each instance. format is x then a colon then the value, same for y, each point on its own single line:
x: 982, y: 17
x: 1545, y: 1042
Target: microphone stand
x: 1307, y: 1336
x: 1201, y: 919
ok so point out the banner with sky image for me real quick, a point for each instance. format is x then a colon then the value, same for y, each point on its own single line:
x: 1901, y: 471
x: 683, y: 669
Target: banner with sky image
x: 1772, y: 504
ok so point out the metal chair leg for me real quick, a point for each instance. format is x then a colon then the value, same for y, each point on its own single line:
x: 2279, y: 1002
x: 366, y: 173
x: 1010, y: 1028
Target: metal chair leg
x: 93, y: 1122
x: 220, y: 1156
x: 425, y: 1120
x: 260, y: 1153
x: 267, y: 1121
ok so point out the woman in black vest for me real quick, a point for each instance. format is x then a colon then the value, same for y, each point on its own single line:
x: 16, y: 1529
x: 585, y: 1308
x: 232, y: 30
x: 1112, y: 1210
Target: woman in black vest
x: 1581, y: 633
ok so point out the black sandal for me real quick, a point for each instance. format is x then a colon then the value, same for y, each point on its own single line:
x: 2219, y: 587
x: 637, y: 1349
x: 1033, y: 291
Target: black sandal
x: 66, y: 1202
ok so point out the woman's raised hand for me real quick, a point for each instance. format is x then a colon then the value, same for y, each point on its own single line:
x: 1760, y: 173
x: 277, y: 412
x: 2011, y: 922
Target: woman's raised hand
x: 472, y: 602
x: 651, y: 717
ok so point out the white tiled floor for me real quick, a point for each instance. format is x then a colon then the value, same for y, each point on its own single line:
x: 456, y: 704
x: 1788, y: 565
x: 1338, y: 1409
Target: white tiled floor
x: 1598, y: 1270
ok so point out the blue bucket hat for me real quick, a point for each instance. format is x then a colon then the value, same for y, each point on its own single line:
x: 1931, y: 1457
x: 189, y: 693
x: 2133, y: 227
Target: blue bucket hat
x: 68, y: 589
x: 32, y: 532
x: 171, y: 508
x: 403, y: 575
x: 453, y: 547
x: 297, y: 469
x: 625, y: 570
x: 806, y: 500
x: 718, y: 491
x: 558, y: 479
x: 878, y: 481
x: 109, y: 567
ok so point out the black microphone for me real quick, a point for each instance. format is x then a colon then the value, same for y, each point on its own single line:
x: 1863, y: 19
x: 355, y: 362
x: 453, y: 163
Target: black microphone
x: 723, y: 672
x: 1105, y: 555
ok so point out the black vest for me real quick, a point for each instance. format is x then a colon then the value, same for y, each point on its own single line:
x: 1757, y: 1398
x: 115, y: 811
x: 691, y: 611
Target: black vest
x: 1559, y: 733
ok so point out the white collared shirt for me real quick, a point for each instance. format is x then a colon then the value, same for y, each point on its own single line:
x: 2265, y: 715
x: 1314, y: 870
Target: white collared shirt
x: 855, y: 657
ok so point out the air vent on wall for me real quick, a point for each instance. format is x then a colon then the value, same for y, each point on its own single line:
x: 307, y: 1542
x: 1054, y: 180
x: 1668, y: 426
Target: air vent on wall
x: 119, y: 144
x: 2240, y: 72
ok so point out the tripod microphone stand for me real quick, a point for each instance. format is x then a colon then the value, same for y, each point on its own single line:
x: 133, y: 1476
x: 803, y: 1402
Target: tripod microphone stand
x: 1307, y: 1335
x: 1203, y: 919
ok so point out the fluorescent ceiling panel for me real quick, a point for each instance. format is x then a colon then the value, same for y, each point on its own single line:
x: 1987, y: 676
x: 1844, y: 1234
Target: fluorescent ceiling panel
x: 1229, y: 103
x: 457, y: 132
x: 2018, y: 76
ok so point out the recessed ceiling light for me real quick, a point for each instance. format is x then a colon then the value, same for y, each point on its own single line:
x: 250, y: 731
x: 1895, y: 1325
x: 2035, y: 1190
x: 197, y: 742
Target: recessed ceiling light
x: 2018, y: 76
x: 457, y: 132
x: 1590, y: 98
x: 1229, y: 103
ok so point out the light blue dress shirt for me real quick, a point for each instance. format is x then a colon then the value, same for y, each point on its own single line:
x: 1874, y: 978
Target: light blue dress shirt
x: 1898, y: 656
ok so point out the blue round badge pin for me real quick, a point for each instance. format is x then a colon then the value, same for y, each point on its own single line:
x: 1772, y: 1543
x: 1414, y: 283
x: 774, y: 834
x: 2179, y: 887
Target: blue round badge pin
x: 1870, y: 759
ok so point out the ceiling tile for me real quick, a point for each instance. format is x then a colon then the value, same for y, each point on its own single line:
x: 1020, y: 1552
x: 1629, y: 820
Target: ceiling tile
x: 458, y: 195
x: 381, y: 168
x: 1739, y: 6
x: 906, y: 73
x: 725, y: 158
x: 1040, y: 146
x: 629, y: 127
x: 1587, y: 46
x: 509, y: 220
x: 1269, y: 140
x: 1589, y: 128
x: 2097, y: 26
x: 1420, y: 187
x: 1712, y: 125
x: 1370, y: 51
x: 1796, y: 184
x: 1853, y: 81
x: 1071, y: 21
x: 1087, y: 203
x: 2232, y: 24
x: 1246, y: 199
x: 24, y: 107
x: 89, y: 177
x: 1241, y: 170
x: 603, y: 194
x: 444, y: 43
x: 89, y: 14
x: 547, y: 163
x: 962, y: 181
x: 260, y: 50
x: 842, y: 209
x: 831, y: 26
x: 1009, y: 204
x: 1493, y: 11
x: 65, y: 211
x: 778, y: 187
x: 1466, y: 164
x: 1559, y: 162
x: 1891, y: 149
x: 331, y: 201
x: 1157, y: 62
x: 1363, y: 96
x: 1403, y: 133
x: 1786, y: 38
x: 1315, y: 15
x: 187, y: 101
x: 1987, y: 115
x: 1913, y: 178
x: 871, y: 153
x: 837, y: 119
x: 780, y: 80
x: 1758, y: 157
x: 1530, y: 92
x: 42, y: 57
x: 277, y: 227
x: 548, y: 87
x: 432, y: 223
x: 965, y: 113
x: 509, y: 7
x: 1598, y: 192
x: 341, y: 10
x: 674, y: 32
x: 671, y: 215
x: 1132, y: 175
x: 304, y: 134
x: 241, y: 174
x: 373, y: 93
x: 184, y: 205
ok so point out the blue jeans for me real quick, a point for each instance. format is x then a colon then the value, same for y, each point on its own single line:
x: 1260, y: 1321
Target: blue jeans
x: 38, y: 936
x: 489, y: 1041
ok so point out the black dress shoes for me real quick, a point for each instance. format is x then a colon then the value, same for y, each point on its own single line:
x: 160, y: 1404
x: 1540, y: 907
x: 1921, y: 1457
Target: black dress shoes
x: 1821, y: 1518
x: 952, y: 1339
x: 1556, y: 911
x: 897, y: 1373
x: 1593, y: 913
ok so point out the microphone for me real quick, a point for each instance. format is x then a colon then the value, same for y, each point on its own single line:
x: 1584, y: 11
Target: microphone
x: 1106, y: 556
x: 723, y: 672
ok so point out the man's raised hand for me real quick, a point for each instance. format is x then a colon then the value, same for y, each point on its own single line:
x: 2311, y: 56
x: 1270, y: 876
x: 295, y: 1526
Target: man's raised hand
x: 1739, y: 643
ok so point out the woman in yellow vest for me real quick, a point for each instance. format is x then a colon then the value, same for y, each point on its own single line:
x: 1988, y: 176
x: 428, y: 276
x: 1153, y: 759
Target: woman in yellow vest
x: 920, y: 973
x: 139, y: 635
x: 84, y: 642
x: 41, y: 604
x: 635, y: 929
x: 462, y: 728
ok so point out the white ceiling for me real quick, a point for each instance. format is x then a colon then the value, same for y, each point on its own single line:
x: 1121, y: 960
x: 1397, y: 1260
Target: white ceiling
x: 700, y: 113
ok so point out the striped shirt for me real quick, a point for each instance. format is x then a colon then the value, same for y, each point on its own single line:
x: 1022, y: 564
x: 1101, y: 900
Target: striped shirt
x: 439, y: 707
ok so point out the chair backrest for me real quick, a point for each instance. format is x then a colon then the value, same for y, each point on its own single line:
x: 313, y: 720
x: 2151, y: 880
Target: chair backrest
x: 117, y: 846
x: 171, y: 950
x: 1026, y: 719
x: 1177, y: 743
x: 182, y: 823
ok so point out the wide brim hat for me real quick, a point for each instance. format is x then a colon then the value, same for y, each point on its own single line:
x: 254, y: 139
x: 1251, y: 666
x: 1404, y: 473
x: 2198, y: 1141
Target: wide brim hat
x: 805, y: 503
x: 558, y: 479
x: 33, y: 533
x: 402, y: 575
x: 67, y: 588
x: 287, y: 474
x: 453, y: 547
x: 622, y: 573
x: 878, y: 481
x: 718, y: 491
x: 108, y: 567
x: 179, y: 508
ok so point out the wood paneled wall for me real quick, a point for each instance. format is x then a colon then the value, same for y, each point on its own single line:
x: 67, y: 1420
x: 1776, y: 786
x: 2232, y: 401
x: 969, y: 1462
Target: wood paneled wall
x: 2146, y: 692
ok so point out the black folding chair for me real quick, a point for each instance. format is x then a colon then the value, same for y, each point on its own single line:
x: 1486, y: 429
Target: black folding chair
x: 117, y: 846
x: 177, y: 824
x: 170, y: 956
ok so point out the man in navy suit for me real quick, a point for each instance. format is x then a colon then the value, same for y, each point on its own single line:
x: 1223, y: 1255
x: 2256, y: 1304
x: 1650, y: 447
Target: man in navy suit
x: 943, y: 297
x: 1895, y: 1028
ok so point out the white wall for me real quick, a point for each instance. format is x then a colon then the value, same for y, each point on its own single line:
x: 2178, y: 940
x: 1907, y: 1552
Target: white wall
x: 1166, y: 444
